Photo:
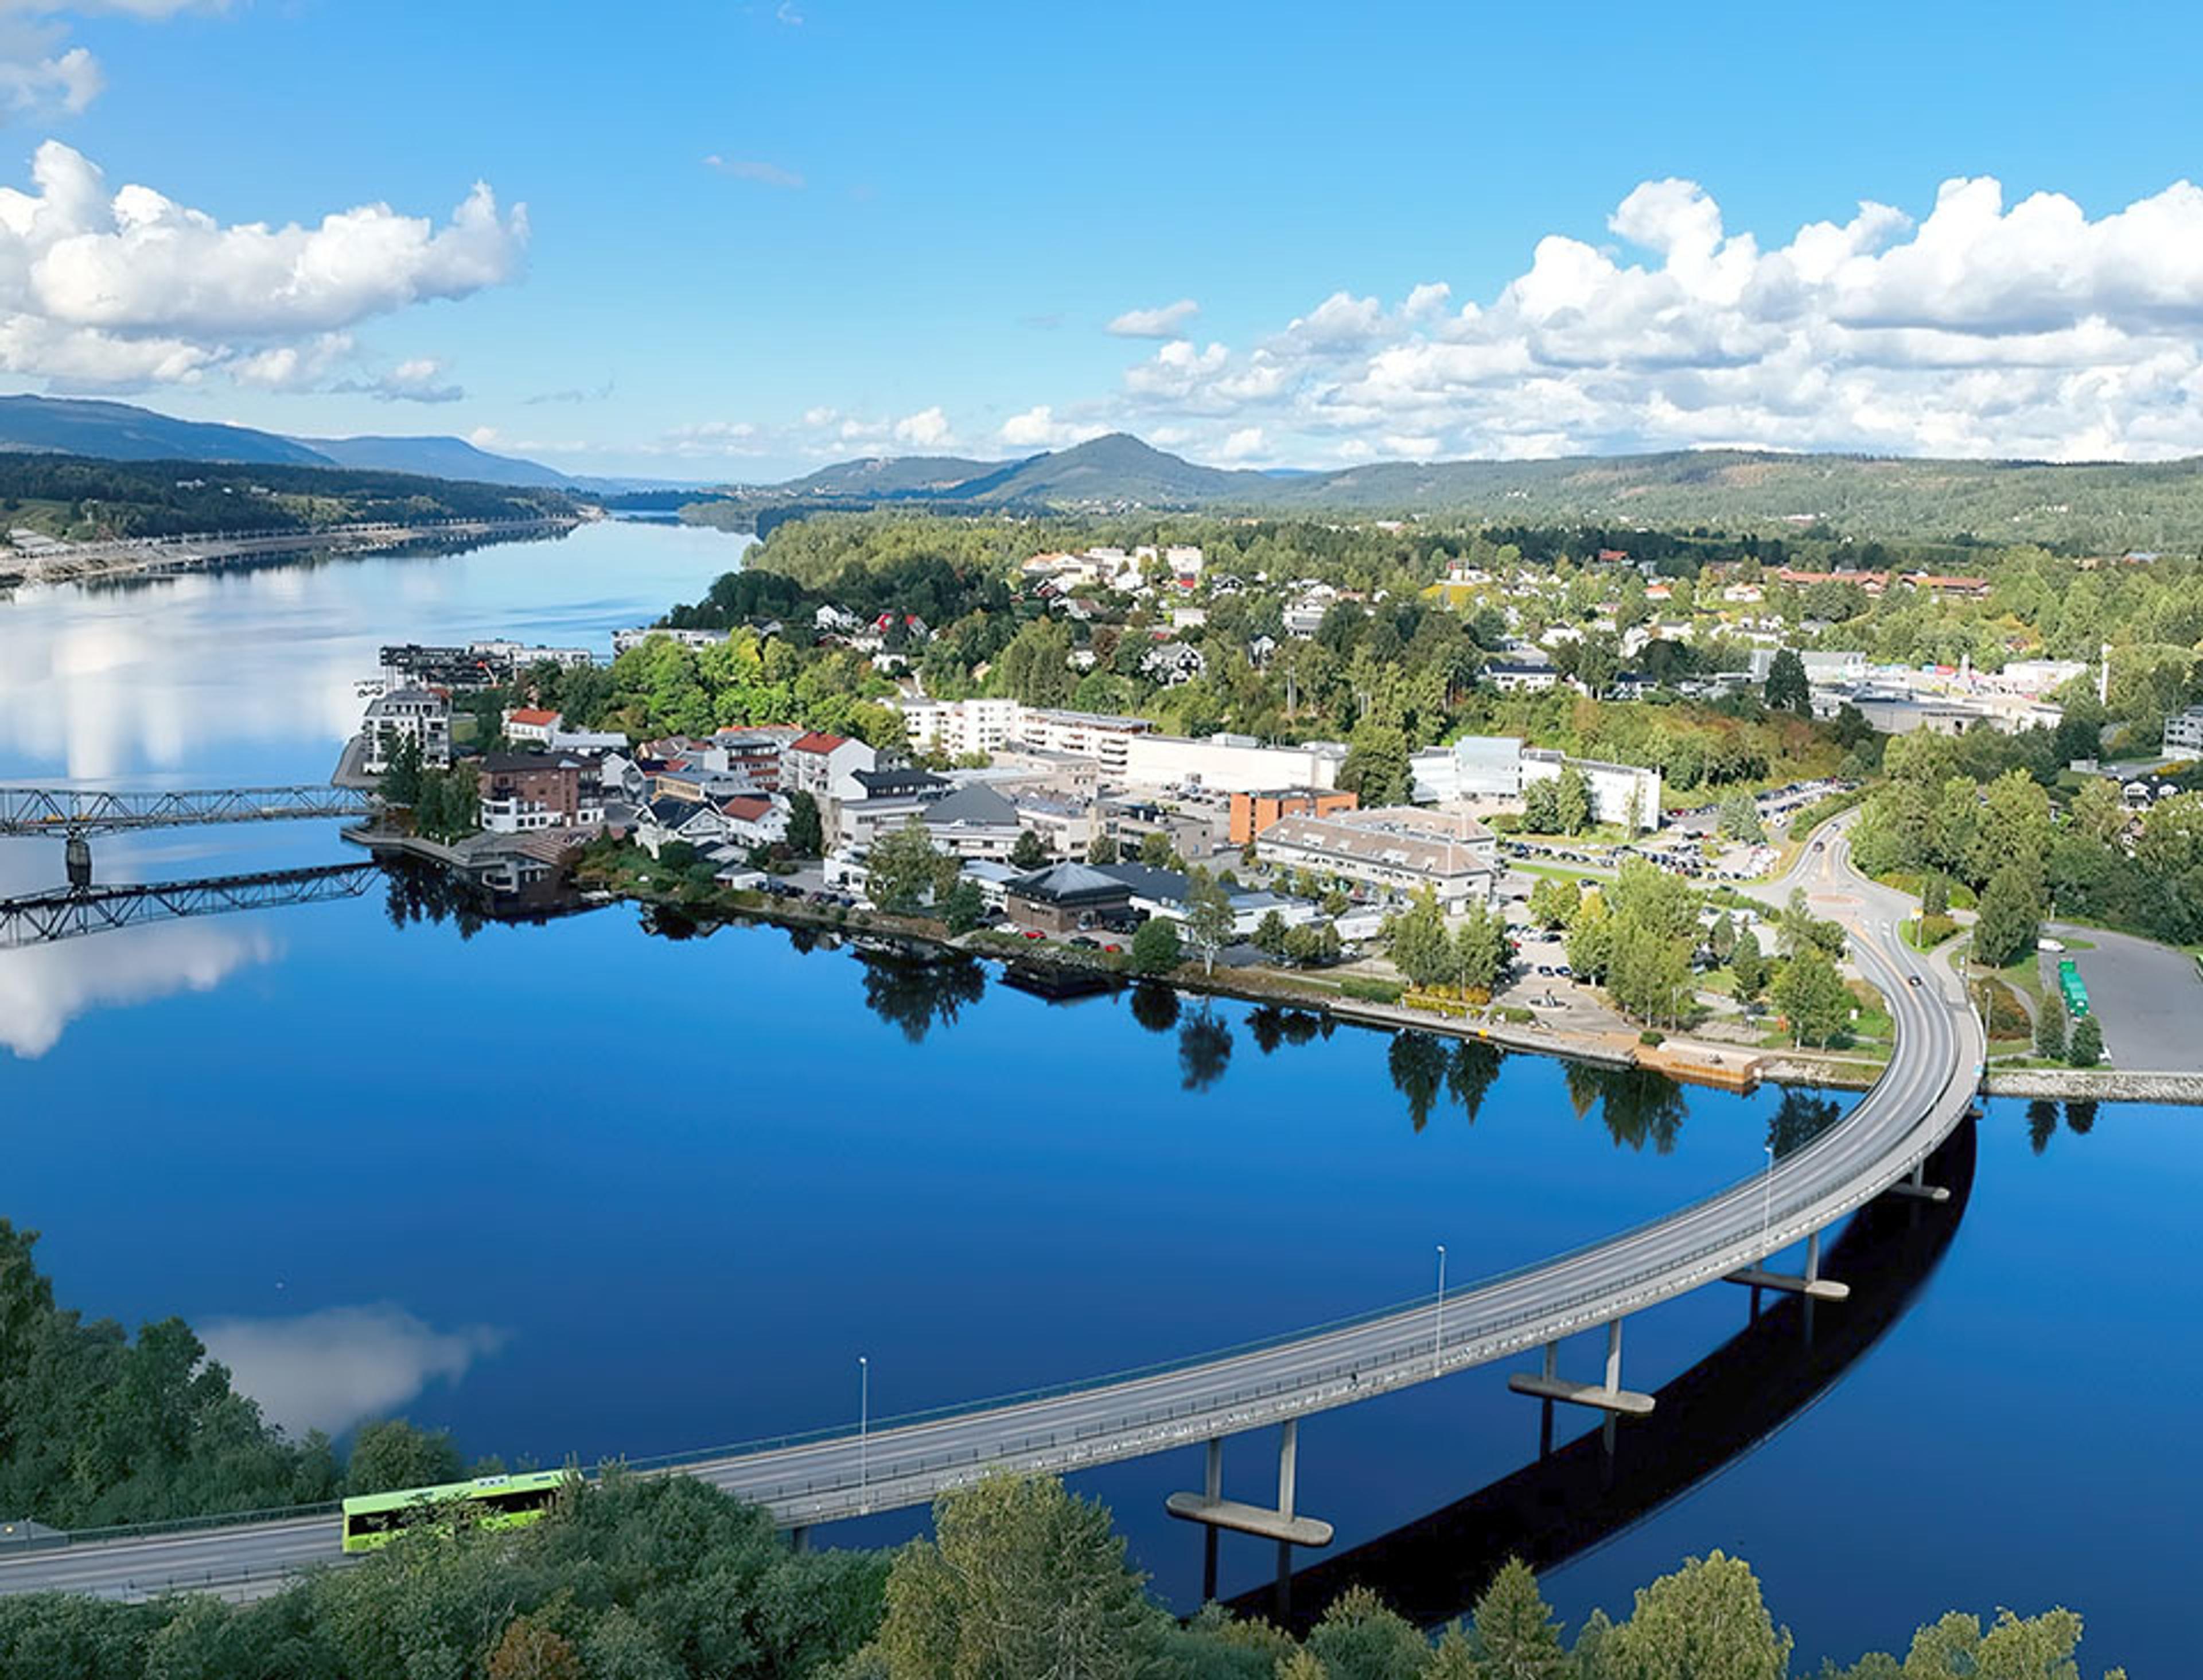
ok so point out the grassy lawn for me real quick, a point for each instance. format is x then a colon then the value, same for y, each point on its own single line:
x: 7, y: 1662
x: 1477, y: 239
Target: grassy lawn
x: 1560, y: 872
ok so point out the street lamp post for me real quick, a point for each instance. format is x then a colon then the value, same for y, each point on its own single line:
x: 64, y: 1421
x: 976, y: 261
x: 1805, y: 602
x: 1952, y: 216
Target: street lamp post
x: 1438, y: 1338
x: 863, y: 1427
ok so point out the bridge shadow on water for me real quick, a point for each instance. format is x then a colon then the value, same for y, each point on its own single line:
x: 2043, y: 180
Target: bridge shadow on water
x: 1568, y: 1502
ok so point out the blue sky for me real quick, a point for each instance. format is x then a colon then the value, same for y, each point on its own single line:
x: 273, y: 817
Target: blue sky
x: 923, y: 220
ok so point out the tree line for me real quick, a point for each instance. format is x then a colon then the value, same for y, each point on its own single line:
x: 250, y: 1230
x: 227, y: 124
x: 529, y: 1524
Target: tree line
x: 661, y: 1578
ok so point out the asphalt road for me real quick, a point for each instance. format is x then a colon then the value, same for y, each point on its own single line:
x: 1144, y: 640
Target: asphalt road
x: 1920, y: 1098
x: 2148, y: 996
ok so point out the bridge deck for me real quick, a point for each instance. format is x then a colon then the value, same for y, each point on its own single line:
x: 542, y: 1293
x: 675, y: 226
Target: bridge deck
x: 1921, y: 1097
x: 66, y: 811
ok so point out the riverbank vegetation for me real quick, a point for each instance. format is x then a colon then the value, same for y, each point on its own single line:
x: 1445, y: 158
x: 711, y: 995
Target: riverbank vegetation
x: 634, y: 1579
x: 97, y: 1428
x: 75, y: 498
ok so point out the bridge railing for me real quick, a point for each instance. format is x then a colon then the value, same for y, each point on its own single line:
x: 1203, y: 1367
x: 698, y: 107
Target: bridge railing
x: 1779, y: 1223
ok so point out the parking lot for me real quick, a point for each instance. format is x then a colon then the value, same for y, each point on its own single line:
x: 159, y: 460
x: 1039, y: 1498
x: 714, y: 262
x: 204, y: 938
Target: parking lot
x: 2148, y: 998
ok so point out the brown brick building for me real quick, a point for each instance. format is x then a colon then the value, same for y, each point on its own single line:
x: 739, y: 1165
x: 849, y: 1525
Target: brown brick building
x: 1252, y: 812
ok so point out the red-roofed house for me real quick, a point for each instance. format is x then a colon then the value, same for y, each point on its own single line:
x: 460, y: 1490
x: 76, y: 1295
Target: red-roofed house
x: 821, y: 765
x: 1938, y: 584
x: 753, y: 820
x: 531, y: 724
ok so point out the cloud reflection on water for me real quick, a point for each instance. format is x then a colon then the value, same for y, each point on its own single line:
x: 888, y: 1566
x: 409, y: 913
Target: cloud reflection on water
x: 337, y: 1367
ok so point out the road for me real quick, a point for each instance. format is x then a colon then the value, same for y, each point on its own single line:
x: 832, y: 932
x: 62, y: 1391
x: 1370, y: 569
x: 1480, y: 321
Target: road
x: 1921, y: 1097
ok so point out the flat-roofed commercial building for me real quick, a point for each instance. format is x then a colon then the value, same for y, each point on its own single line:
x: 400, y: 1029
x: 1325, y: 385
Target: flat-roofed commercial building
x: 1396, y: 848
x: 1230, y: 763
x: 1252, y: 812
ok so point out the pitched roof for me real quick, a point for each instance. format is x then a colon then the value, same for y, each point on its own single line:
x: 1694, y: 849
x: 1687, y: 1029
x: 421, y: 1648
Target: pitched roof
x: 744, y: 809
x: 818, y: 742
x: 1068, y: 884
x: 977, y: 805
x: 533, y: 716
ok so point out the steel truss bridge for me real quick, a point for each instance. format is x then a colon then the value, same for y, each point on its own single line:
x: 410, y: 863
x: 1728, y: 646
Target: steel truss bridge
x: 69, y: 912
x: 77, y: 811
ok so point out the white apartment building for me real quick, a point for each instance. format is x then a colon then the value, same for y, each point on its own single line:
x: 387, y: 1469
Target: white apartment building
x: 1624, y: 794
x: 421, y: 715
x: 1230, y: 763
x: 625, y: 639
x: 960, y: 726
x: 2183, y: 734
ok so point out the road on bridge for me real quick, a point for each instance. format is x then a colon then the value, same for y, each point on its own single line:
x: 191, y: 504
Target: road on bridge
x: 1922, y: 1097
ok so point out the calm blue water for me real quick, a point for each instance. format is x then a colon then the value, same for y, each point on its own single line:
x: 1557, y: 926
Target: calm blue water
x: 578, y: 1190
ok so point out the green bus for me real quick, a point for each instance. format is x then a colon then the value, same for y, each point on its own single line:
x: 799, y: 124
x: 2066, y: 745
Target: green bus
x: 488, y: 1501
x: 2073, y: 988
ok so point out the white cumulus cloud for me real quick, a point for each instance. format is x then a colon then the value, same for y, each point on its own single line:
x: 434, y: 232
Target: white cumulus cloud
x: 1038, y: 427
x: 1983, y: 329
x: 928, y: 429
x: 1166, y: 322
x: 122, y: 286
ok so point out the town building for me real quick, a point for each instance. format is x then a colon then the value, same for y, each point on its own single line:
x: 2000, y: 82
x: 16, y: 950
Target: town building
x: 531, y: 724
x: 1170, y: 663
x: 1252, y: 812
x: 421, y: 716
x: 626, y: 641
x: 1398, y: 849
x: 754, y: 820
x: 522, y: 792
x: 822, y: 765
x: 1626, y: 795
x: 962, y: 728
x: 1474, y: 767
x: 1521, y: 676
x: 1064, y: 898
x: 974, y: 822
x: 1230, y: 763
x: 2183, y: 734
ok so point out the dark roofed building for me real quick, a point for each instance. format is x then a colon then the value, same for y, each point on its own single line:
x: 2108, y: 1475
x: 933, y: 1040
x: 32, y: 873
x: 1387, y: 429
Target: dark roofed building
x: 1055, y: 899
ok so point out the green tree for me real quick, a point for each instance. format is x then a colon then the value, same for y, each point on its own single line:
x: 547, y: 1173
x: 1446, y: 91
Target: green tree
x: 1739, y: 817
x: 806, y: 828
x: 903, y: 871
x: 1480, y: 949
x: 1553, y: 900
x: 1270, y: 934
x: 2010, y: 915
x: 1812, y: 995
x: 1156, y: 851
x: 401, y: 780
x: 1210, y: 919
x: 2085, y: 1048
x: 1705, y: 1622
x: 965, y: 908
x: 1517, y: 1637
x: 1020, y: 1579
x: 1029, y: 852
x: 1360, y: 1638
x: 2050, y: 1027
x: 531, y: 1651
x: 1418, y: 943
x: 1155, y: 947
x: 1747, y: 968
x: 1376, y: 768
x: 1934, y: 893
x: 1541, y: 809
x: 1104, y: 850
x: 393, y: 1454
x: 1787, y: 689
x: 1571, y: 802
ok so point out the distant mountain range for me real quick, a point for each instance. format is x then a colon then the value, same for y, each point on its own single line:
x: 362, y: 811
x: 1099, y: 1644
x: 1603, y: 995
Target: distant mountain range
x: 2103, y: 505
x: 121, y: 432
x: 2107, y: 505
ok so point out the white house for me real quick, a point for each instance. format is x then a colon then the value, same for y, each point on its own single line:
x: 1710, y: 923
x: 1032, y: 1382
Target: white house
x: 532, y: 724
x: 821, y: 765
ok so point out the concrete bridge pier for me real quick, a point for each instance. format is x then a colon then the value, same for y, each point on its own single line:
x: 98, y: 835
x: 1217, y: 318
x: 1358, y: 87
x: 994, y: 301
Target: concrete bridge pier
x: 1918, y: 1188
x: 1809, y: 1283
x: 1213, y: 1511
x: 799, y: 1537
x: 79, y: 862
x: 1608, y: 1396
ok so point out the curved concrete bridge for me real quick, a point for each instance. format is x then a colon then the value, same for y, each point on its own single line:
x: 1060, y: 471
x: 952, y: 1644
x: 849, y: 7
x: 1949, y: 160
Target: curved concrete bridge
x: 1881, y: 1145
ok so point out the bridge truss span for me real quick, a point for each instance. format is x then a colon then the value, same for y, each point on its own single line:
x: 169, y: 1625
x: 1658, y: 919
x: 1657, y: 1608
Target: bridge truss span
x: 82, y: 811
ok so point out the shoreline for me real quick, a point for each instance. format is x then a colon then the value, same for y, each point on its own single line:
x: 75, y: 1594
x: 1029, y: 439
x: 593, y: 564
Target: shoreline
x: 1687, y: 1061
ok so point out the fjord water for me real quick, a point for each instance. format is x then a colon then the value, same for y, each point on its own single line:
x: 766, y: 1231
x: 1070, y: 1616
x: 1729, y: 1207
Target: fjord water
x: 579, y: 1189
